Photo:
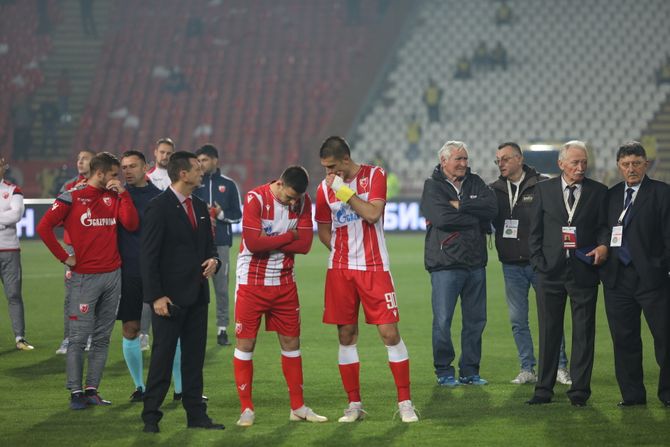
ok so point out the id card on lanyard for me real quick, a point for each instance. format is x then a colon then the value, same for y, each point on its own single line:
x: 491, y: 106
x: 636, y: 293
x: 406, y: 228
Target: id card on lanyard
x: 511, y: 228
x: 617, y: 230
x: 570, y: 232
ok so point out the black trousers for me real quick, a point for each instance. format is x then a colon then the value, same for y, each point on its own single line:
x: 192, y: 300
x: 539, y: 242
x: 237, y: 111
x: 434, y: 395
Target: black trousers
x: 624, y: 304
x: 191, y: 326
x: 552, y: 294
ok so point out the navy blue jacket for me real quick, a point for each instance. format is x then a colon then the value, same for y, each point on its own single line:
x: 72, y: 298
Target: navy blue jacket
x: 129, y: 242
x: 222, y: 190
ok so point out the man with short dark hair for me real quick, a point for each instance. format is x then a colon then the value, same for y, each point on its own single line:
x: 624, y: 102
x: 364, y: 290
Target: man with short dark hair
x: 635, y: 277
x: 223, y: 201
x: 350, y: 204
x: 91, y: 214
x: 134, y: 169
x: 515, y: 191
x: 177, y: 258
x: 277, y: 224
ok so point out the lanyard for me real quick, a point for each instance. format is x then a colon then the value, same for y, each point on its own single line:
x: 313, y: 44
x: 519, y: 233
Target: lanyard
x: 625, y: 210
x: 571, y: 211
x: 515, y: 198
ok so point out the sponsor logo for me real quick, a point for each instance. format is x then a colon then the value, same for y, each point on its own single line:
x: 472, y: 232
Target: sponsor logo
x: 83, y: 308
x: 5, y: 195
x: 83, y: 200
x: 107, y: 201
x: 268, y: 231
x: 527, y: 198
x: 54, y: 206
x: 345, y: 215
x: 243, y: 387
x: 88, y: 221
x: 222, y: 188
x: 250, y: 198
x: 363, y: 182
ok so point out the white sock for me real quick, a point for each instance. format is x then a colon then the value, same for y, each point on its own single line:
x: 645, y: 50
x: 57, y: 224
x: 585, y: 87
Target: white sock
x: 347, y: 355
x: 398, y: 353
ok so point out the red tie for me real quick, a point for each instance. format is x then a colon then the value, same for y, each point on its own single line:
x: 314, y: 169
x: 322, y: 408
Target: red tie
x: 189, y: 212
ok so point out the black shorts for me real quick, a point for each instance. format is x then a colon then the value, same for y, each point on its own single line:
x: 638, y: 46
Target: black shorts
x: 130, y: 306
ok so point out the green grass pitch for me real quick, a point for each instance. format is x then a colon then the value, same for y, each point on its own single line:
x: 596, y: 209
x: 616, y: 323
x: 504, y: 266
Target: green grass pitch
x: 34, y: 409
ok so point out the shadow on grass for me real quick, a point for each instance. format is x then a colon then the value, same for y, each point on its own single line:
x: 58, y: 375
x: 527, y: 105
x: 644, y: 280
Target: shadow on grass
x: 249, y: 437
x: 47, y: 367
x: 342, y: 436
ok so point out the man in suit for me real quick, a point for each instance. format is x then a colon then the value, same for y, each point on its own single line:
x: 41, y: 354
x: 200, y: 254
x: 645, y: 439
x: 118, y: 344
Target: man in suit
x: 567, y: 241
x: 635, y: 276
x: 177, y: 258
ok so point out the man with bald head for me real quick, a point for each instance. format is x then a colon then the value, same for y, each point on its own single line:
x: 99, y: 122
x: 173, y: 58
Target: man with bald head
x: 568, y: 241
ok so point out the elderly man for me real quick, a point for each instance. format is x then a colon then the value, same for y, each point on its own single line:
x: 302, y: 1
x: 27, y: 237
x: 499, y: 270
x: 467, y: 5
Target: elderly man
x: 458, y: 207
x: 515, y: 190
x: 636, y: 275
x: 568, y: 241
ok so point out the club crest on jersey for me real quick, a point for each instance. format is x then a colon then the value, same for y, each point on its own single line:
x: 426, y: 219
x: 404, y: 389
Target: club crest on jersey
x: 83, y: 308
x: 107, y: 201
x: 238, y: 328
x: 222, y: 188
x: 5, y: 195
x: 68, y: 274
x: 363, y: 182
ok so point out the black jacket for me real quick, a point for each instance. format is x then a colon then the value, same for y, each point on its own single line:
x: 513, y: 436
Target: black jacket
x: 515, y: 250
x: 218, y: 188
x: 456, y: 238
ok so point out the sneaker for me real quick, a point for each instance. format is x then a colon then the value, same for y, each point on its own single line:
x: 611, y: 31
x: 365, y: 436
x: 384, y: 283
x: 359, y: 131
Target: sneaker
x: 144, y: 342
x: 88, y: 343
x: 246, y: 418
x: 23, y: 345
x: 354, y: 413
x: 563, y: 376
x: 93, y: 398
x: 525, y: 376
x: 305, y: 414
x: 449, y: 381
x: 138, y: 395
x: 78, y: 401
x: 407, y: 411
x: 222, y: 338
x: 62, y: 349
x: 473, y: 380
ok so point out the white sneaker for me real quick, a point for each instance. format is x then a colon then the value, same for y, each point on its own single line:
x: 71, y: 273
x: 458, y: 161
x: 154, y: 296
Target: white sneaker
x: 88, y: 343
x: 62, y: 349
x: 305, y: 414
x: 525, y: 376
x: 407, y: 411
x: 354, y: 413
x: 144, y: 342
x: 246, y: 418
x: 563, y: 376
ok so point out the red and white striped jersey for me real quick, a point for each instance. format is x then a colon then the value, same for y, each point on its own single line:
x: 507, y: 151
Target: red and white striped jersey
x: 264, y: 213
x: 355, y: 244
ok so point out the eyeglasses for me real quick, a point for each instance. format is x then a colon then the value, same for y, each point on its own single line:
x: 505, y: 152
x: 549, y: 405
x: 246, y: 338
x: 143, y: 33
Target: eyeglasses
x: 503, y: 160
x: 634, y: 164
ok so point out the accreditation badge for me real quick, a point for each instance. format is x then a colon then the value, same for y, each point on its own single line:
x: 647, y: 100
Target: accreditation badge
x: 511, y: 229
x: 569, y: 237
x: 617, y: 236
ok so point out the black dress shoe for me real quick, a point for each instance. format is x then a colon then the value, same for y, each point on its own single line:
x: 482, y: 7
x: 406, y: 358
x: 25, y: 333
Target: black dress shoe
x: 150, y: 428
x: 538, y: 400
x: 207, y: 425
x: 631, y: 403
x: 177, y: 397
x: 666, y: 403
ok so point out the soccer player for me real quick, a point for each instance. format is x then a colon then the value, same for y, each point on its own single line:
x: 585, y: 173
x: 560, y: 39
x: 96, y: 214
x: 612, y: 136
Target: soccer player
x: 11, y: 210
x: 83, y: 172
x: 276, y: 224
x: 223, y: 201
x: 91, y: 214
x: 134, y: 168
x: 349, y: 211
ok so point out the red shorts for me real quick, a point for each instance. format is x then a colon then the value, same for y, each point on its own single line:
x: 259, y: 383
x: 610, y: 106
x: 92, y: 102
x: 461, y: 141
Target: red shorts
x: 346, y: 289
x: 279, y: 304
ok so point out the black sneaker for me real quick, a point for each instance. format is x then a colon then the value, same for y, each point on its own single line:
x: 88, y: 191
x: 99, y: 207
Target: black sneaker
x: 78, y: 401
x: 138, y: 395
x: 177, y: 397
x: 222, y: 338
x: 93, y: 398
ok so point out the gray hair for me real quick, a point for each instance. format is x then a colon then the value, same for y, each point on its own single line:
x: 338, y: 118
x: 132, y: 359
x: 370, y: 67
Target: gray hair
x: 445, y: 151
x: 572, y: 143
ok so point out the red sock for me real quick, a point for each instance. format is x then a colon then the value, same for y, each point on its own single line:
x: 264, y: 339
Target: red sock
x: 400, y: 372
x: 244, y: 376
x: 350, y: 379
x: 292, y: 367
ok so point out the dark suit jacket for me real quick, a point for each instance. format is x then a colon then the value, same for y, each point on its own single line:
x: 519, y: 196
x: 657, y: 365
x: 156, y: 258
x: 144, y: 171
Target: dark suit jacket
x: 549, y: 215
x: 647, y: 233
x: 172, y: 251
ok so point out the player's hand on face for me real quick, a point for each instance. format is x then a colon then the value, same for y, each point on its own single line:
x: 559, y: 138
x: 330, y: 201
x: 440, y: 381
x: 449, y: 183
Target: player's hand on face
x: 115, y: 185
x: 161, y: 306
x: 209, y: 267
x: 330, y: 178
